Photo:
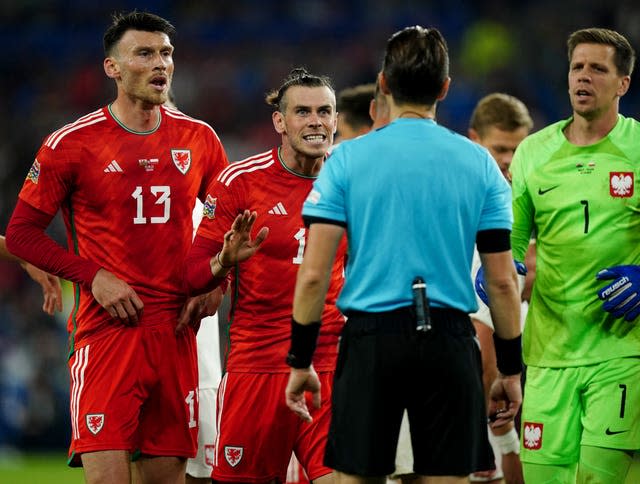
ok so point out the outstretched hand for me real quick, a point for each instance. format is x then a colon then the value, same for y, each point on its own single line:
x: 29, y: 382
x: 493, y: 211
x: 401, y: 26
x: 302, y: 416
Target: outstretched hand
x: 301, y: 380
x: 238, y: 244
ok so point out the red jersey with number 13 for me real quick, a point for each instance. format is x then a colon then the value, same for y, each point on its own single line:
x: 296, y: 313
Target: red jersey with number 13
x: 126, y: 199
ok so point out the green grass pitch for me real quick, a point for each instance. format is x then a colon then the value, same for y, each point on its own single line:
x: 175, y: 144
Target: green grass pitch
x: 38, y: 469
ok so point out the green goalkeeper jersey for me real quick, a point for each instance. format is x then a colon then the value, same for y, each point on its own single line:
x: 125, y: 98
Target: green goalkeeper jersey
x: 581, y: 204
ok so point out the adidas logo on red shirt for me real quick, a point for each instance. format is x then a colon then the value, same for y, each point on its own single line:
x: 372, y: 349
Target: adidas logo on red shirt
x: 113, y: 167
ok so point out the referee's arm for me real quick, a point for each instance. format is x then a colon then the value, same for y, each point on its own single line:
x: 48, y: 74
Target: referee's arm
x: 308, y: 303
x: 501, y: 285
x: 502, y: 290
x: 314, y: 274
x: 501, y: 282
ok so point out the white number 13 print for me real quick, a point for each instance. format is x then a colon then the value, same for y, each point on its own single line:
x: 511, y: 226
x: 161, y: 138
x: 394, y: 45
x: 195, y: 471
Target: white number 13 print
x: 162, y: 194
x: 300, y: 237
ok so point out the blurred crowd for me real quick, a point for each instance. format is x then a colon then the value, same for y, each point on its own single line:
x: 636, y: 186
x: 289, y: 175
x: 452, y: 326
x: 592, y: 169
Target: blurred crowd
x: 228, y: 55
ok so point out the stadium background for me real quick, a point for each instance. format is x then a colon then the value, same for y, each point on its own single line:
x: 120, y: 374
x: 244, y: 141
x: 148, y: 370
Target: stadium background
x: 228, y: 54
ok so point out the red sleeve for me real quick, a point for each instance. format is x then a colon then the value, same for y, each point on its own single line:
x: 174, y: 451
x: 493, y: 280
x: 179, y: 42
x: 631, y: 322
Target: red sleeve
x: 198, y: 277
x: 26, y: 239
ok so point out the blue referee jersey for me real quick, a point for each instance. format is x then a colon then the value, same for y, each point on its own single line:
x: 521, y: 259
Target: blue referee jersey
x: 412, y: 196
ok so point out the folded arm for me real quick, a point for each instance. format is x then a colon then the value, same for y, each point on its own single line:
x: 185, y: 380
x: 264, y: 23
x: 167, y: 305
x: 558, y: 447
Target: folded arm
x: 26, y: 239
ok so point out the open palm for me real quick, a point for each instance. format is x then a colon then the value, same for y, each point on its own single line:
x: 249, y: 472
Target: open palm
x: 238, y: 244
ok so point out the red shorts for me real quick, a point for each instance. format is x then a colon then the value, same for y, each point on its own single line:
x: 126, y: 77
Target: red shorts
x: 257, y: 432
x: 134, y: 389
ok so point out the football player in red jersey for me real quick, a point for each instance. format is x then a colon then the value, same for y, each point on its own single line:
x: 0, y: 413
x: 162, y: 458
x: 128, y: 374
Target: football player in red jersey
x: 256, y: 431
x: 126, y: 178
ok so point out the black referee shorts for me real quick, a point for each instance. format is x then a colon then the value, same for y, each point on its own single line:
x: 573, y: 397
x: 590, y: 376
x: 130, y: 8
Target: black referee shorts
x: 384, y: 366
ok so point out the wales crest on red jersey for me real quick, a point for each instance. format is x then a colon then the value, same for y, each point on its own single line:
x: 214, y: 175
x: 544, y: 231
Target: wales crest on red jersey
x: 95, y: 422
x: 182, y: 160
x: 233, y: 455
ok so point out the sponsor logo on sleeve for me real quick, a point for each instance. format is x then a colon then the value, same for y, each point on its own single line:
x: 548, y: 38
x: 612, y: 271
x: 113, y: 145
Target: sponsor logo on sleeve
x: 34, y: 172
x: 314, y: 197
x: 209, y: 208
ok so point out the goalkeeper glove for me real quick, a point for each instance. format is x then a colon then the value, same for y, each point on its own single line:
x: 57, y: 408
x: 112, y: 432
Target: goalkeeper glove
x: 480, y: 282
x: 621, y: 297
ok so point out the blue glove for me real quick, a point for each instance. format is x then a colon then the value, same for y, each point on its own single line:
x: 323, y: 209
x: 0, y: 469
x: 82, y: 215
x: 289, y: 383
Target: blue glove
x: 621, y: 297
x: 480, y: 282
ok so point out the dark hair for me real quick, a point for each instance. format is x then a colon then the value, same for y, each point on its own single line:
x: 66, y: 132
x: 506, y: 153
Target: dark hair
x: 297, y: 77
x: 123, y: 22
x: 504, y: 112
x: 416, y: 65
x: 624, y: 57
x: 353, y: 105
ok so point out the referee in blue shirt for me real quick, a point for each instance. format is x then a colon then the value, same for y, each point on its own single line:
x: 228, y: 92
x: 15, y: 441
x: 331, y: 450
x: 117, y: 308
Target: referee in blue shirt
x: 413, y: 198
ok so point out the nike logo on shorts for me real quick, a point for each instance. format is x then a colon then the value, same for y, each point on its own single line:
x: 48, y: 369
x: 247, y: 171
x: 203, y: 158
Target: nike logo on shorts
x: 614, y: 432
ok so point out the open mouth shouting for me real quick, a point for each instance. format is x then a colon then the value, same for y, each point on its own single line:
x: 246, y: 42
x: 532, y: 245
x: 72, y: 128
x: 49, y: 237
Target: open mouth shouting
x: 159, y: 83
x: 315, y: 138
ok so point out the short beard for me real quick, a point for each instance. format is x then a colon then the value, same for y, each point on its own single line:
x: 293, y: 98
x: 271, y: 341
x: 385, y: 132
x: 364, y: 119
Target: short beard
x: 155, y: 99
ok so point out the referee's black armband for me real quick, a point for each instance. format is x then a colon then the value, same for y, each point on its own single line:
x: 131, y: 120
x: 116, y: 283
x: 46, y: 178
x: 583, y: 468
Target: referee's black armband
x: 309, y: 219
x: 303, y: 344
x: 493, y: 240
x: 508, y: 354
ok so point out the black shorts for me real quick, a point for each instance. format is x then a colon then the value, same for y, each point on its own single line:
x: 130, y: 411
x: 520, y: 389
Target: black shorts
x: 384, y: 366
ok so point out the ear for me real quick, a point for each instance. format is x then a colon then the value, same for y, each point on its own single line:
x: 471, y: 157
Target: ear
x: 473, y: 135
x: 278, y: 122
x: 384, y: 88
x: 111, y: 68
x: 444, y: 90
x: 373, y: 109
x: 624, y: 86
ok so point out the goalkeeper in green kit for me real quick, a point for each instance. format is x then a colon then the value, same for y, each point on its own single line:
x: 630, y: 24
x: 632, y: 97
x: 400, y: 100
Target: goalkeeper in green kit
x: 574, y: 187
